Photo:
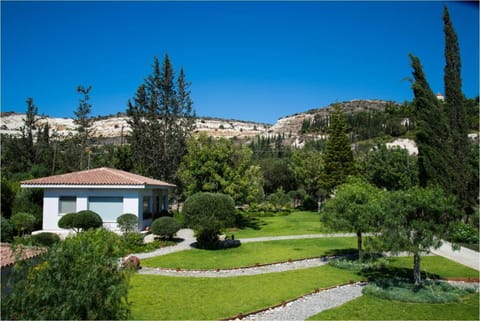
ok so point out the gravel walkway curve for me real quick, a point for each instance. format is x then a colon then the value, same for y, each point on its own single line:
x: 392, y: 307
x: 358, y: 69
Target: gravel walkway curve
x: 311, y: 304
x: 254, y: 270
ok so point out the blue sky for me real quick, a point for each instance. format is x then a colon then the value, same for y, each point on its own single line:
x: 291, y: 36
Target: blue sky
x: 246, y: 60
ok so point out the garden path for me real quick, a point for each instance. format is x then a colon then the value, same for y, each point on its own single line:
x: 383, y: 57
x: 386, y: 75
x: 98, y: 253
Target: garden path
x: 306, y: 306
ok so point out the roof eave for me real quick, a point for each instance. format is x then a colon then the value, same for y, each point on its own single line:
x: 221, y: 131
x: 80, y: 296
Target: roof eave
x: 92, y: 186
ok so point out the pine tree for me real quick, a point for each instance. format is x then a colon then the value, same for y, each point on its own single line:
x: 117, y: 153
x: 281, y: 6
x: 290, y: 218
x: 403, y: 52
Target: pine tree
x: 434, y: 145
x: 161, y: 117
x: 83, y: 122
x: 455, y: 104
x: 338, y: 155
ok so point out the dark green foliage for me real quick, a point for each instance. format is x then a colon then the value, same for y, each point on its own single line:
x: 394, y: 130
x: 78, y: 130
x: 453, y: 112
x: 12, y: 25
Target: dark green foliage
x: 457, y: 115
x: 277, y: 173
x: 161, y: 118
x: 392, y: 169
x: 415, y: 220
x: 280, y: 200
x: 338, y: 162
x: 23, y: 222
x: 45, y: 239
x: 405, y: 291
x: 29, y: 201
x: 463, y: 233
x: 356, y: 207
x: 434, y: 147
x: 6, y: 229
x: 8, y: 196
x: 165, y: 227
x: 208, y: 214
x: 127, y: 223
x: 80, y: 221
x: 79, y: 279
x: 84, y: 123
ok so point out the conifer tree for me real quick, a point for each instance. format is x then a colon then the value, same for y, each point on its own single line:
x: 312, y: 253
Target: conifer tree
x: 338, y: 156
x: 161, y: 117
x: 83, y: 122
x: 434, y: 145
x: 455, y: 108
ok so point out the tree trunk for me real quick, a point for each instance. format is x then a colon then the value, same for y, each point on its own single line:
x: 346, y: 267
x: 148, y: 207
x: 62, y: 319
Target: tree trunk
x: 359, y: 246
x: 416, y: 269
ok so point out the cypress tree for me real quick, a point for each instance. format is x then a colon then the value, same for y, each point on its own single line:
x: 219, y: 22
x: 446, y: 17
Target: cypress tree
x: 434, y: 155
x: 83, y: 122
x: 455, y: 109
x: 338, y: 155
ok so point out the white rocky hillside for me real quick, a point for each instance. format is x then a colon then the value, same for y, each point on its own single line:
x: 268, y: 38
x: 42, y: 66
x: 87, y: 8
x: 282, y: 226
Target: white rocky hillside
x: 117, y: 126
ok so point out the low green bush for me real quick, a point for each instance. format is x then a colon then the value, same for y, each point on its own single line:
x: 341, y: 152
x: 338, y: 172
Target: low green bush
x: 127, y: 223
x: 80, y: 221
x: 165, y: 227
x: 357, y: 265
x: 23, y: 222
x: 45, y: 239
x: 427, y: 292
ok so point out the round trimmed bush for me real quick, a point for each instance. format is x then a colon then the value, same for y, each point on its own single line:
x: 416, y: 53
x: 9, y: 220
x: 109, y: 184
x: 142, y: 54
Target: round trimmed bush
x: 80, y: 221
x: 6, y: 230
x: 208, y: 214
x: 127, y: 223
x: 46, y: 239
x: 23, y: 222
x: 165, y: 226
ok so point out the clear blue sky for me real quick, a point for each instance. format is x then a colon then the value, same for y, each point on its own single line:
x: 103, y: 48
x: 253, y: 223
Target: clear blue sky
x: 246, y: 60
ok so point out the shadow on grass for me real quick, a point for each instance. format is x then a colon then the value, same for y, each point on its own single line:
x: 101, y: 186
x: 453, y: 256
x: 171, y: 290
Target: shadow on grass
x: 347, y: 253
x: 243, y: 221
x: 383, y: 272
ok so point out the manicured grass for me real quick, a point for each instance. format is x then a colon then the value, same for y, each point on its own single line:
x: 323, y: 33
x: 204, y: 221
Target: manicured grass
x: 172, y: 298
x: 296, y: 223
x: 370, y: 308
x: 249, y: 254
x: 436, y: 266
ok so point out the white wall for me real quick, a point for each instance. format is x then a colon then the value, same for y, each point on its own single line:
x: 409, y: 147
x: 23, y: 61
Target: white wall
x: 132, y: 203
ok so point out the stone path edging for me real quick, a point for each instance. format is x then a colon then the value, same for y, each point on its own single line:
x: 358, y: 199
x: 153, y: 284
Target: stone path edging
x: 253, y: 270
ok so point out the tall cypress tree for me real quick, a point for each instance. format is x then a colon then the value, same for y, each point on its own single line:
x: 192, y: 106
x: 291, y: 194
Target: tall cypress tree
x: 434, y: 145
x: 161, y: 117
x: 338, y: 155
x: 455, y: 109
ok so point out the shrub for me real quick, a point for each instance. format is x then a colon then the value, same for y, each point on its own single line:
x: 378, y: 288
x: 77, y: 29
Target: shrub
x: 208, y: 214
x: 127, y: 223
x: 45, y: 239
x: 23, y: 222
x: 280, y: 200
x: 80, y: 221
x: 165, y: 226
x: 6, y: 229
x: 79, y: 279
x: 428, y: 292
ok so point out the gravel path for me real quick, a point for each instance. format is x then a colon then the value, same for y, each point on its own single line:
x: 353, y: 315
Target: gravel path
x: 270, y: 268
x: 310, y: 305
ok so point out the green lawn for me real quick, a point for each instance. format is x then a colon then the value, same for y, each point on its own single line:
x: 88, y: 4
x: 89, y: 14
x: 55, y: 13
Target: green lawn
x: 436, y: 265
x: 249, y: 254
x: 174, y: 298
x: 370, y: 308
x: 296, y: 223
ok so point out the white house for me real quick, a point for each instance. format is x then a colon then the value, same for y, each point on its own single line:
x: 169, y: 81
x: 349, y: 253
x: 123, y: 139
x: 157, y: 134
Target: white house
x: 106, y: 191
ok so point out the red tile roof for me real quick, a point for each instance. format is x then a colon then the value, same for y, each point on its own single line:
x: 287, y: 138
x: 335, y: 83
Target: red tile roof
x: 97, y: 176
x: 8, y: 256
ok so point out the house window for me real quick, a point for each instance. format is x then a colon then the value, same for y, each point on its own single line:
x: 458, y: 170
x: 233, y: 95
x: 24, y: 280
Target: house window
x: 146, y: 204
x: 67, y: 204
x: 109, y: 208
